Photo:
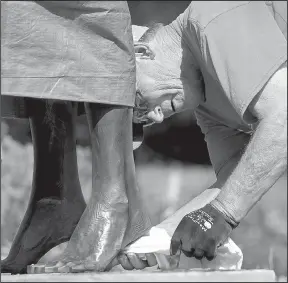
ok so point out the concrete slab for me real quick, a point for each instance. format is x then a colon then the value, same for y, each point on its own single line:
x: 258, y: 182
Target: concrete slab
x: 144, y: 276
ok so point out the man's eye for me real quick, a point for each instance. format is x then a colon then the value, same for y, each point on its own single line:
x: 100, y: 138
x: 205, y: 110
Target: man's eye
x: 173, y: 106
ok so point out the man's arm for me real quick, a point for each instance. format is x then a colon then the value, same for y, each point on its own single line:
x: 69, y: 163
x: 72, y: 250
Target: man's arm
x: 265, y: 157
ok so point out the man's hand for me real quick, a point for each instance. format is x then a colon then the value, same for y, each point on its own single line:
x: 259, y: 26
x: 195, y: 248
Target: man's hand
x: 200, y: 233
x: 132, y: 261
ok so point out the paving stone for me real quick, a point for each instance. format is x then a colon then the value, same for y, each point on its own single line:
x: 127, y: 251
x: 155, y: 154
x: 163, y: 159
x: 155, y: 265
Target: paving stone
x: 260, y: 275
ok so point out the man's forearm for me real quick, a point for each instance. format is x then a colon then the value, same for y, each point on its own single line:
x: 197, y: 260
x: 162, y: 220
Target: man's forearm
x: 261, y: 165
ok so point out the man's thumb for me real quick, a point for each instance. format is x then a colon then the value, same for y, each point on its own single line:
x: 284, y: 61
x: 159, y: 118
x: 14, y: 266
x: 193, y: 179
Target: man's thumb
x: 175, y: 245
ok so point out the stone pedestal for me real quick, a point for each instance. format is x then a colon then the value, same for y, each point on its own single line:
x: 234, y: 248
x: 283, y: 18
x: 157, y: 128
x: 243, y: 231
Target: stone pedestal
x: 155, y: 276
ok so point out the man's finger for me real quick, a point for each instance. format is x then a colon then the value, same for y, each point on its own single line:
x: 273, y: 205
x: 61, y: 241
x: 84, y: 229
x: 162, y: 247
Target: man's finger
x: 136, y: 262
x: 175, y: 244
x: 151, y: 259
x: 187, y: 243
x: 198, y: 253
x: 210, y: 257
x: 210, y: 250
x: 210, y: 253
x: 125, y: 262
x: 189, y: 254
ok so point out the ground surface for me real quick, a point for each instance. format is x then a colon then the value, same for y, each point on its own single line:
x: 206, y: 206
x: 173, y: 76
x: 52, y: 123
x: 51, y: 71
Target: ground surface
x: 179, y: 276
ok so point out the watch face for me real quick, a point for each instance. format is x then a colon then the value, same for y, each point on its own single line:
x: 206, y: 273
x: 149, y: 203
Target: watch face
x: 138, y: 134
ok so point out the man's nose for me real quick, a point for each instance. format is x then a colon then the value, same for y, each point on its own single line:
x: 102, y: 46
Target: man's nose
x: 156, y: 115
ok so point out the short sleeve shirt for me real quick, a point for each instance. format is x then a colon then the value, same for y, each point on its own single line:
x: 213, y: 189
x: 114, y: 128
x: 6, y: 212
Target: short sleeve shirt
x: 237, y: 46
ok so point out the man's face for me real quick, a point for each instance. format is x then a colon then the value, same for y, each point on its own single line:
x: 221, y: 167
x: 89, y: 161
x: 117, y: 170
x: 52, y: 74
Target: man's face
x: 156, y: 91
x: 164, y: 85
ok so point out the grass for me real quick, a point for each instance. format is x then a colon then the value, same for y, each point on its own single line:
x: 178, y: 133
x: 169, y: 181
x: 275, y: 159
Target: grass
x: 262, y: 236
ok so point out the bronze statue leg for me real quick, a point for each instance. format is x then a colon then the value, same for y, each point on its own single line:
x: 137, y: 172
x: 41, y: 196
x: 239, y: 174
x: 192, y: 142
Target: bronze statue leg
x: 56, y: 201
x: 114, y: 216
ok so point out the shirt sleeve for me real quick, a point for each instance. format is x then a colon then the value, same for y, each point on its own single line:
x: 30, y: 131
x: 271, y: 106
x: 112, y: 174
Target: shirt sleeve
x: 242, y: 48
x: 225, y: 145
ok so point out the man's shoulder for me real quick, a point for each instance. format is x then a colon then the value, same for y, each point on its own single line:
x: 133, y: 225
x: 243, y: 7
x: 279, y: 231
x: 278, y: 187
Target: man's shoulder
x: 203, y: 13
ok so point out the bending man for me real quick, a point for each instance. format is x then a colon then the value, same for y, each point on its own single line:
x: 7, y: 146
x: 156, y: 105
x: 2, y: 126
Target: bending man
x: 227, y: 61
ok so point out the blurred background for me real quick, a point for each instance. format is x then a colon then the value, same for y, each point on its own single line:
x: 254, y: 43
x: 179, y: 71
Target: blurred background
x: 169, y: 174
x: 172, y: 166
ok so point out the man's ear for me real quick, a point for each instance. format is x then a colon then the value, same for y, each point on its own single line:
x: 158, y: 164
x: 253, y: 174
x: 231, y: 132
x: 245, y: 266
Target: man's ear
x: 143, y: 50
